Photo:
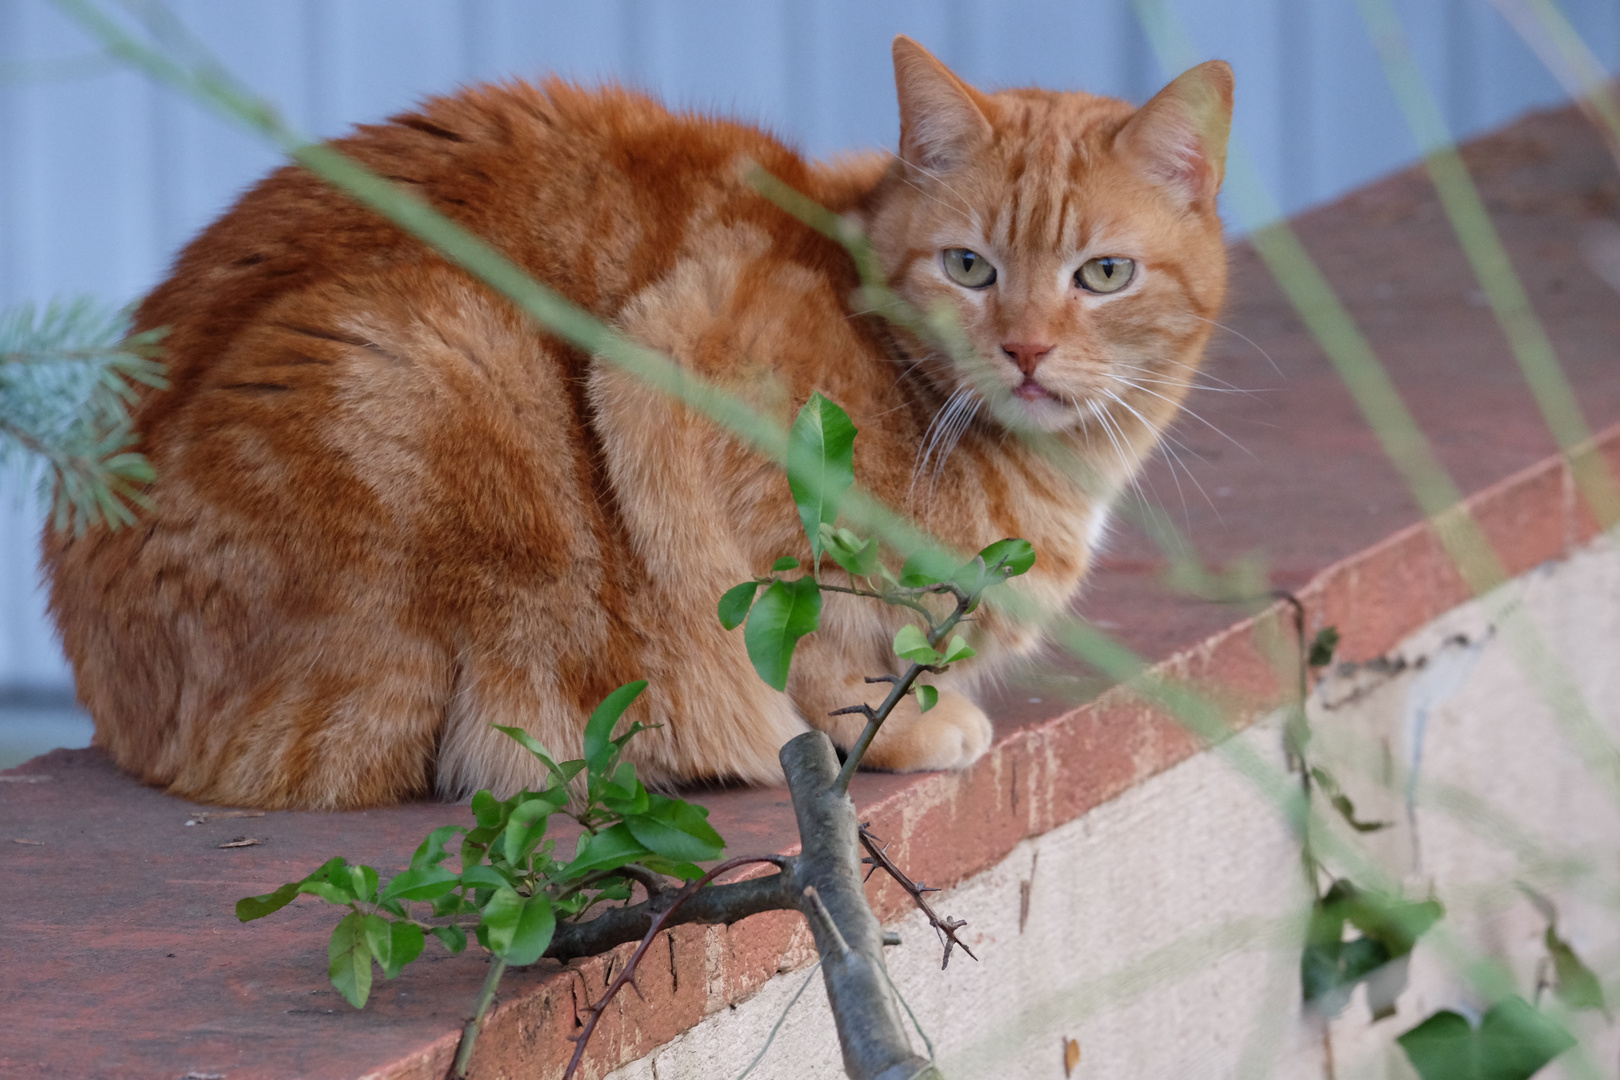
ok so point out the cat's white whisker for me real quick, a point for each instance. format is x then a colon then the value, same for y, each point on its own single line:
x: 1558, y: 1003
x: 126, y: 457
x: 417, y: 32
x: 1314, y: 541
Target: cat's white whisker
x: 959, y: 428
x: 935, y: 176
x: 1127, y: 460
x: 1186, y: 411
x: 1195, y: 371
x: 931, y: 439
x: 1243, y: 336
x: 1190, y: 383
x: 1170, y: 444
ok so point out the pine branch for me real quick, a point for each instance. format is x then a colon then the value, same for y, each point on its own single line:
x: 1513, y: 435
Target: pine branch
x: 68, y: 376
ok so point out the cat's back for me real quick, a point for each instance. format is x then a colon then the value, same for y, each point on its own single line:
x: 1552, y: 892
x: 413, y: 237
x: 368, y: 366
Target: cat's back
x: 372, y: 468
x: 592, y: 191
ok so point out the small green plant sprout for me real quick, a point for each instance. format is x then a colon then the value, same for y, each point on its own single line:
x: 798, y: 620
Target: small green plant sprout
x: 1323, y: 646
x: 1341, y: 802
x: 820, y: 468
x: 511, y: 888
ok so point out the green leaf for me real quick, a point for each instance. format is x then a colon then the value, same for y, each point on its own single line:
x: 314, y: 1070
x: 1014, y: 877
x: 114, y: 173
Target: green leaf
x: 1347, y: 810
x: 820, y: 465
x: 1575, y: 984
x: 606, y: 850
x: 331, y: 881
x: 332, y: 894
x: 784, y: 614
x: 423, y: 883
x: 735, y: 602
x: 453, y: 938
x: 927, y: 568
x: 786, y: 562
x: 501, y: 914
x: 483, y: 877
x: 380, y: 940
x: 1330, y: 967
x: 257, y: 907
x: 669, y: 868
x: 927, y: 697
x: 623, y: 783
x: 363, y: 879
x: 1513, y: 1041
x: 912, y: 644
x: 526, y: 828
x: 858, y: 557
x: 350, y: 959
x: 489, y: 811
x: 599, y: 728
x: 453, y: 903
x: 625, y: 795
x: 405, y: 944
x: 676, y: 830
x: 533, y: 746
x: 1322, y: 647
x: 1008, y: 558
x: 532, y: 935
x: 432, y: 852
x: 1392, y: 921
x: 958, y: 650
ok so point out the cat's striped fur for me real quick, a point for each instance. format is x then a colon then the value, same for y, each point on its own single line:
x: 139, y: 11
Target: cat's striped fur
x: 391, y: 513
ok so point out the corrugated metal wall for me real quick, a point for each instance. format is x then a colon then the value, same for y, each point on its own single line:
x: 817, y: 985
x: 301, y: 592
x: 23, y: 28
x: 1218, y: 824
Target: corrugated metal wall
x: 103, y: 175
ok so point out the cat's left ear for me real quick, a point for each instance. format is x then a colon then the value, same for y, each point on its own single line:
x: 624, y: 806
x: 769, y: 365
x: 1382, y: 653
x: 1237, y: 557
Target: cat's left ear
x: 942, y: 123
x: 1178, y: 140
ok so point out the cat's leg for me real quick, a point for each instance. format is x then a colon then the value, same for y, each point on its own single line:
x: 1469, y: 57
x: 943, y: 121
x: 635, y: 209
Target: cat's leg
x: 951, y: 735
x: 707, y: 714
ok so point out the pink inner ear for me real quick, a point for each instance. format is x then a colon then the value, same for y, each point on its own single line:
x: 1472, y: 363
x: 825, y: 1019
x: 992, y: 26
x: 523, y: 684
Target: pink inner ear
x: 1167, y: 150
x: 1177, y: 159
x: 1178, y: 140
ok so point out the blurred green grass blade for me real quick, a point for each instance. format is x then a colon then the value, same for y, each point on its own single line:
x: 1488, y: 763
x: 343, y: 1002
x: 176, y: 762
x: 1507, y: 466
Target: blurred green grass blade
x: 1493, y: 267
x: 1558, y: 45
x: 1352, y: 357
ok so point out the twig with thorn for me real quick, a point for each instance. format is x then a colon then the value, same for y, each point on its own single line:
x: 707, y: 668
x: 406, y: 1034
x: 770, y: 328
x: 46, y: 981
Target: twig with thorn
x: 947, y: 927
x: 629, y: 973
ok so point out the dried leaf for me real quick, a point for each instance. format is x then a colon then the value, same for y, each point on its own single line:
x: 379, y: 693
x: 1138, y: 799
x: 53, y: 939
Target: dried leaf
x: 1071, y: 1056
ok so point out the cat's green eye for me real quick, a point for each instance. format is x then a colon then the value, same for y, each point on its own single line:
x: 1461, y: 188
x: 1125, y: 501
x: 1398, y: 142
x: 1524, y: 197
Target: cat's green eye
x: 968, y: 268
x: 1105, y: 275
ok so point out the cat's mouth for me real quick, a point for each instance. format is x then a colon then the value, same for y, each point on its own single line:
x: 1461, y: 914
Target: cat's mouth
x: 1030, y: 390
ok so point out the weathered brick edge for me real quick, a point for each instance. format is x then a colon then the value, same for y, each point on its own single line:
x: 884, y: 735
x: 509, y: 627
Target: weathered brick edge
x: 947, y: 827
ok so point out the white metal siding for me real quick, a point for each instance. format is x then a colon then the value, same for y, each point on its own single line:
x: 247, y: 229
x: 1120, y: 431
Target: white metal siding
x: 102, y: 178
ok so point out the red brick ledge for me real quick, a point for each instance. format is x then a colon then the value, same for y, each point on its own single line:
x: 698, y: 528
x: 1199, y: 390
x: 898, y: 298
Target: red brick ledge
x: 944, y: 827
x: 947, y: 827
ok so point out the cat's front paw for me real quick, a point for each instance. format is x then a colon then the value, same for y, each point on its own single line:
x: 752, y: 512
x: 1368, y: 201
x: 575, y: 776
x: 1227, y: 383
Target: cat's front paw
x: 952, y: 735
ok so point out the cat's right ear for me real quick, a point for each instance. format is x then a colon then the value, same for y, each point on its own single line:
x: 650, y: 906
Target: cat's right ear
x: 1178, y: 140
x: 941, y: 122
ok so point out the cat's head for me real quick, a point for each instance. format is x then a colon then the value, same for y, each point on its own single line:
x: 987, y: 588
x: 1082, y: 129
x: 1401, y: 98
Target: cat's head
x: 1074, y: 237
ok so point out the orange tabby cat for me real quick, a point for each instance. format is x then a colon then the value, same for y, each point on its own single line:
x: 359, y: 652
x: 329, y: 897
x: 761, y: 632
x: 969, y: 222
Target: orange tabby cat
x: 390, y: 512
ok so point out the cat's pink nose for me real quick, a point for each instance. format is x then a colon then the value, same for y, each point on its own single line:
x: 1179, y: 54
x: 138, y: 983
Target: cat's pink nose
x: 1026, y: 356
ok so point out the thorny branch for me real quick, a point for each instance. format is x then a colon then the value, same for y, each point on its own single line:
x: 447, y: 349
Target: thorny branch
x: 902, y: 684
x: 947, y: 927
x: 628, y: 974
x: 823, y: 882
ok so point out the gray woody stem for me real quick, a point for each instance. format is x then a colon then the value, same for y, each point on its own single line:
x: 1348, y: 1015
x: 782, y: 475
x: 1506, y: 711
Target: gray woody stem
x: 847, y: 933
